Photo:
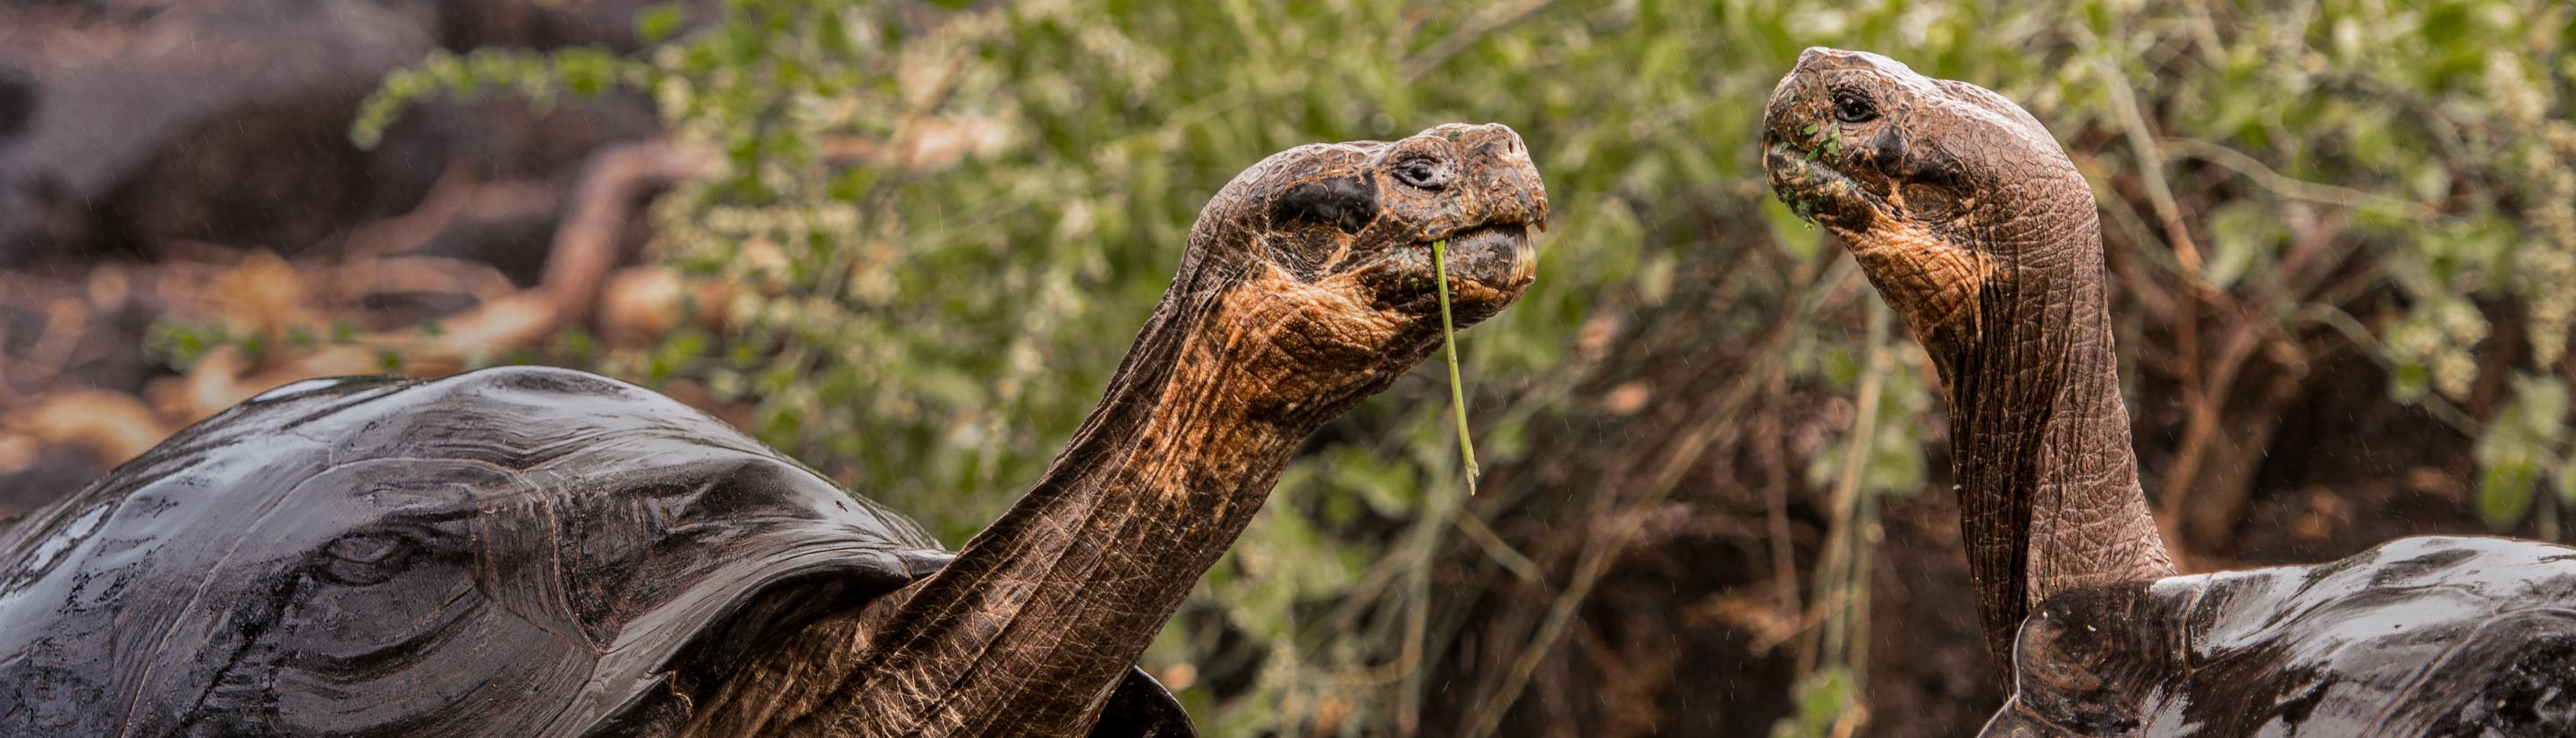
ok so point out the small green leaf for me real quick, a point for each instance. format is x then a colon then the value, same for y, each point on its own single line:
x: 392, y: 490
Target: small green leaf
x: 2409, y: 381
x: 2241, y: 233
x: 2514, y: 448
x: 254, y: 347
x: 587, y: 72
x: 655, y: 23
x: 1823, y: 696
x: 2504, y: 492
x: 2567, y: 481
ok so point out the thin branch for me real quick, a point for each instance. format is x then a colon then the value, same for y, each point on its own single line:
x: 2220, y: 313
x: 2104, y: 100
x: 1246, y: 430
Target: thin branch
x: 2293, y: 187
x: 1494, y: 546
x: 1784, y: 565
x: 1842, y: 550
x: 1467, y: 35
x: 2201, y: 411
x: 2151, y: 171
x: 585, y: 244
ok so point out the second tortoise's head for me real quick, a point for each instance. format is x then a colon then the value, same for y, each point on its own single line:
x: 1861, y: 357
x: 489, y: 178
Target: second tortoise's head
x: 1312, y: 272
x: 1938, y: 186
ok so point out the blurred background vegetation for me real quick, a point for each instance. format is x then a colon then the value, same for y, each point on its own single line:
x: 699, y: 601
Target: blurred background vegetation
x: 906, y: 243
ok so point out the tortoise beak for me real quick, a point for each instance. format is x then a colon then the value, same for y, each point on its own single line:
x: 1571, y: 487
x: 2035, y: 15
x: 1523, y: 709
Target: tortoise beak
x: 1491, y: 258
x: 1490, y: 266
x: 1801, y: 142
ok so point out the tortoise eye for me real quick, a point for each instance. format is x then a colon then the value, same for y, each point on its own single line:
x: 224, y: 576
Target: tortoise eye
x: 366, y: 558
x: 1425, y: 173
x: 1853, y: 108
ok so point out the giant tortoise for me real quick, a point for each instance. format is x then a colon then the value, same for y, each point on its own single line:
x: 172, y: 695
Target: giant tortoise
x: 543, y: 552
x: 1976, y: 227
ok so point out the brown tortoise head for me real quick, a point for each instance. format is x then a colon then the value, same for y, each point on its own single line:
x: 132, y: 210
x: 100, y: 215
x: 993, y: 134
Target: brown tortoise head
x: 1311, y: 273
x: 1364, y: 215
x: 1937, y: 185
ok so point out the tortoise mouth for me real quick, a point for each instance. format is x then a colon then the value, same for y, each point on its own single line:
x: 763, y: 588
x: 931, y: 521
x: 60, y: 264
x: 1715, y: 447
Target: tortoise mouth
x: 1494, y: 256
x: 1814, y: 189
x: 1489, y: 267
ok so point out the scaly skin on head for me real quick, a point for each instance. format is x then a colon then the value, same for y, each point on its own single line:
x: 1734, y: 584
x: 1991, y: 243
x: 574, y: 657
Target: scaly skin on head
x: 1307, y: 287
x: 1976, y: 227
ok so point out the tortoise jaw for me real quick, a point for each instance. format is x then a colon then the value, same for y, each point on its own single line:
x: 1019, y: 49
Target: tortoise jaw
x: 1489, y: 267
x: 1813, y: 189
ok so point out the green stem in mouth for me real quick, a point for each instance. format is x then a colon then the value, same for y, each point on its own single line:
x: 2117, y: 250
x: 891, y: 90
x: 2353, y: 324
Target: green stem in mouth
x: 1449, y: 341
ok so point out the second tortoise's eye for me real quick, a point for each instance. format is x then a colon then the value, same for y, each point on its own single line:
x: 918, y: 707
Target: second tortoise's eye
x: 1852, y: 107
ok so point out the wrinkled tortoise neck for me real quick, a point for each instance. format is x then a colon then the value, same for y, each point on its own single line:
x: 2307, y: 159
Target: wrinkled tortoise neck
x: 1041, y: 614
x: 2048, y: 483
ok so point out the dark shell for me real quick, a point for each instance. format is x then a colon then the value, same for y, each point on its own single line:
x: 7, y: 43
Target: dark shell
x: 517, y: 551
x: 2432, y: 636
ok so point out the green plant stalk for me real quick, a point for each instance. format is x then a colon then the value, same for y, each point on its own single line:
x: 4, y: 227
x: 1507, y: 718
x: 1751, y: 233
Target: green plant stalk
x: 1449, y: 342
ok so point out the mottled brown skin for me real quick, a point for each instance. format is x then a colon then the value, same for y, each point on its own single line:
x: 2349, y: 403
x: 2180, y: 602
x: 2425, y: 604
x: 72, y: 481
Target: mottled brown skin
x: 1977, y: 229
x: 1305, y: 289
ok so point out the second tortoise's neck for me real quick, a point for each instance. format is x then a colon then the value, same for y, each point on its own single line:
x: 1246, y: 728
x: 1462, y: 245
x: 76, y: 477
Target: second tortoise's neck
x: 2048, y: 483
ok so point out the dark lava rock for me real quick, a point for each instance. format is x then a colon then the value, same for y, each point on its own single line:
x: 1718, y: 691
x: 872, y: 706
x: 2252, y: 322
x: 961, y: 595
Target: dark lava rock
x: 128, y: 125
